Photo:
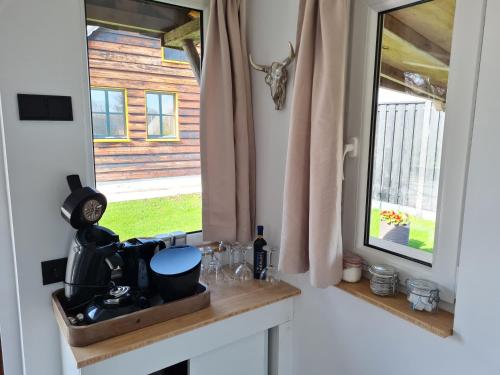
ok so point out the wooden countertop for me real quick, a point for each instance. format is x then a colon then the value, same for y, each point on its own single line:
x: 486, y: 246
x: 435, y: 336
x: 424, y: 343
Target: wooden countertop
x: 227, y: 300
x: 439, y: 323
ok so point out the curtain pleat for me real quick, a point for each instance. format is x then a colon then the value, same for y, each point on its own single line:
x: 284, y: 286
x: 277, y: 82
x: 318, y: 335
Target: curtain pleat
x: 227, y: 133
x: 311, y: 238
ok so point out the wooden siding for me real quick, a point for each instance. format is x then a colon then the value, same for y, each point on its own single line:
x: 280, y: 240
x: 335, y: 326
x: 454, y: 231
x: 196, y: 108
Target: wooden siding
x: 127, y: 60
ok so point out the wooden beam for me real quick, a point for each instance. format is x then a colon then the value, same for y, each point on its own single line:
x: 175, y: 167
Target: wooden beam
x: 421, y: 43
x: 190, y: 30
x: 193, y: 57
x: 395, y: 79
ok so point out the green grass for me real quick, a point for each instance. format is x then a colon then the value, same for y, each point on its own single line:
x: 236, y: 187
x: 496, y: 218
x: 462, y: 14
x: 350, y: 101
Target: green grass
x: 149, y: 217
x: 421, y: 231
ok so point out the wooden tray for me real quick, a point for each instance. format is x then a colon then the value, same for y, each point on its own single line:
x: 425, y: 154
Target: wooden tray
x: 86, y: 335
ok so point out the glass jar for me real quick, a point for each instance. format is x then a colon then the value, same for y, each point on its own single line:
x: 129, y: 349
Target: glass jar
x: 423, y: 295
x: 384, y: 280
x: 353, y: 268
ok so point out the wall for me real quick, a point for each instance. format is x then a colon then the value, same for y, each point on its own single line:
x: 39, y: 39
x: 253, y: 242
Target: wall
x: 9, y: 322
x: 335, y: 333
x: 43, y: 51
x: 134, y: 62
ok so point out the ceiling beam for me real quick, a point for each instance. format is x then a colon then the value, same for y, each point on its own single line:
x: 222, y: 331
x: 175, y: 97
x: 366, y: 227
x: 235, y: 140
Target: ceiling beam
x: 421, y: 43
x: 395, y: 79
x: 190, y: 30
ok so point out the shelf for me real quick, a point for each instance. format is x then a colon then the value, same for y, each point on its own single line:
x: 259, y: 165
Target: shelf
x: 440, y: 323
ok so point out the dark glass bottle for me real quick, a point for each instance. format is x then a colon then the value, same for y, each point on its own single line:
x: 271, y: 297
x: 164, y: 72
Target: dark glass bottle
x: 259, y: 254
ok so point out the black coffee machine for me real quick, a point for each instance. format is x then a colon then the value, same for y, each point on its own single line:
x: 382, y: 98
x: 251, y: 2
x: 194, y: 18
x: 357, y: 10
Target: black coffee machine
x: 105, y: 276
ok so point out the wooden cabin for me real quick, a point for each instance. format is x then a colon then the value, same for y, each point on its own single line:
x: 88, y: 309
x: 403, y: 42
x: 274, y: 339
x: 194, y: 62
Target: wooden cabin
x: 129, y: 67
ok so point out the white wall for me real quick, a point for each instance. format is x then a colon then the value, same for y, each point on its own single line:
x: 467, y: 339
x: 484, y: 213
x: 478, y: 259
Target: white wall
x: 42, y: 51
x: 335, y: 333
x: 9, y: 322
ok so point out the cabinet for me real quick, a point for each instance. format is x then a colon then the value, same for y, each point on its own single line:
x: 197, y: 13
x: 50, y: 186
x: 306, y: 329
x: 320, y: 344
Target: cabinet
x: 247, y: 356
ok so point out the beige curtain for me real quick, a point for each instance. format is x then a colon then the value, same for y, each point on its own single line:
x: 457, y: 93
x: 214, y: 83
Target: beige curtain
x: 227, y: 134
x: 311, y: 233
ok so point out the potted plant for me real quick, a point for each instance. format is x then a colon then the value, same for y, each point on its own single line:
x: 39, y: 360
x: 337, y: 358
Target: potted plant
x: 395, y: 226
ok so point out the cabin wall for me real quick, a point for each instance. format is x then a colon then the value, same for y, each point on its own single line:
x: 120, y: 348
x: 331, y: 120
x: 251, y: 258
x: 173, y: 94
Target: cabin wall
x: 43, y: 52
x: 133, y: 62
x: 339, y: 334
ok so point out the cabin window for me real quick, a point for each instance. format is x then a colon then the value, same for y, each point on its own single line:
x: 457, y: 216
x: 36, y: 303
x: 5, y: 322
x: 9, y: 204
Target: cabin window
x: 408, y: 121
x: 411, y: 103
x: 109, y: 113
x: 161, y: 113
x: 149, y: 168
x: 174, y: 54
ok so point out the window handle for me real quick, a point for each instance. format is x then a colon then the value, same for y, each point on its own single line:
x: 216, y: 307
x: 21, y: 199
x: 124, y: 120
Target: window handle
x: 350, y: 150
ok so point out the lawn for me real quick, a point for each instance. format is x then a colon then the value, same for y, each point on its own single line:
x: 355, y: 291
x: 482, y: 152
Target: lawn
x: 149, y: 217
x: 421, y: 231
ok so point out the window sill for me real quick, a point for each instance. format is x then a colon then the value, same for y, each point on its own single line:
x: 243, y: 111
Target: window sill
x: 440, y: 323
x: 162, y: 139
x: 166, y: 61
x: 114, y: 140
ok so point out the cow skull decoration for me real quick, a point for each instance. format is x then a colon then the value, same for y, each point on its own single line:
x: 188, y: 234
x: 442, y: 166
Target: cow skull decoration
x: 276, y: 77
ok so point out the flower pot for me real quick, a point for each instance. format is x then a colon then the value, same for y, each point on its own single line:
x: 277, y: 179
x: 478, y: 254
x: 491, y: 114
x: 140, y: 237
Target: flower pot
x: 395, y: 233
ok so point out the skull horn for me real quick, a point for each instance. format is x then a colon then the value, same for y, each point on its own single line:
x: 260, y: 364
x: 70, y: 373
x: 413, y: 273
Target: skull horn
x: 261, y: 68
x: 290, y: 57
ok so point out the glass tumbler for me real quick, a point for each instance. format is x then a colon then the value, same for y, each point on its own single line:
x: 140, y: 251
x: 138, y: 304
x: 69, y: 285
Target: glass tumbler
x: 244, y: 272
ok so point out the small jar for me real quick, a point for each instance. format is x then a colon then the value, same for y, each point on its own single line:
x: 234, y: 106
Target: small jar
x: 353, y: 268
x: 423, y: 295
x: 384, y: 280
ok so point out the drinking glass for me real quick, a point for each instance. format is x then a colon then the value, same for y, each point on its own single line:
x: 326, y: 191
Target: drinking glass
x: 244, y: 272
x: 270, y: 273
x: 214, y: 272
x: 206, y: 253
x: 235, y: 259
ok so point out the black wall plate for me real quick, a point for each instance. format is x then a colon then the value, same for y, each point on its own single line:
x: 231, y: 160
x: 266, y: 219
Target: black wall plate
x: 53, y: 271
x: 44, y: 107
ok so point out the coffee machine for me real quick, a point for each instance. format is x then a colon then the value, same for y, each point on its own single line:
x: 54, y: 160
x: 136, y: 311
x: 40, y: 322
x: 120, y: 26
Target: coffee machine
x: 104, y: 276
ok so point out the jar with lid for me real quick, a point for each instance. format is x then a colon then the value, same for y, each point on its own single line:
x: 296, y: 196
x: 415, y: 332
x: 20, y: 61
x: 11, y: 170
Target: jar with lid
x: 423, y: 295
x: 352, y: 265
x: 384, y: 280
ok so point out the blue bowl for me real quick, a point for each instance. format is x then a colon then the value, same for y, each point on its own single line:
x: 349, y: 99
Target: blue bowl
x: 176, y: 272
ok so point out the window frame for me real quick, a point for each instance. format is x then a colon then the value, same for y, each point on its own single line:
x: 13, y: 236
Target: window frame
x: 176, y: 138
x: 193, y: 238
x: 462, y: 85
x: 164, y: 60
x: 126, y: 138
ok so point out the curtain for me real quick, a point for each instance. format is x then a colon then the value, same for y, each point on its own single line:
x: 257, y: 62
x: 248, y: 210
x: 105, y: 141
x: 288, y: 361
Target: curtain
x: 227, y: 133
x: 311, y: 238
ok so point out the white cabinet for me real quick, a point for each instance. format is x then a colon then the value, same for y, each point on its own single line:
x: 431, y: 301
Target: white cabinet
x: 244, y: 357
x: 255, y: 342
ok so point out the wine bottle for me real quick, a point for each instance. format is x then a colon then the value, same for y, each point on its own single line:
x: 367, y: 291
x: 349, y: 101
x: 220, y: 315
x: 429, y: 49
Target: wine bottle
x: 259, y: 254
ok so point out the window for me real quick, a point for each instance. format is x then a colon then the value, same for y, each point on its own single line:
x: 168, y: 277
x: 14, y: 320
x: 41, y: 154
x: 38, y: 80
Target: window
x: 161, y: 114
x: 173, y: 54
x: 109, y: 114
x: 412, y: 81
x: 407, y: 130
x: 149, y: 168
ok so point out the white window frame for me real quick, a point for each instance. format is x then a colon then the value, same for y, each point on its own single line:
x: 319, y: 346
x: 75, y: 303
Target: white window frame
x: 201, y: 5
x: 460, y: 109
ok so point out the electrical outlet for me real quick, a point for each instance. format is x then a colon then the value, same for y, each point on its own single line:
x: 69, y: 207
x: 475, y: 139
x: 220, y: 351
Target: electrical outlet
x: 53, y: 271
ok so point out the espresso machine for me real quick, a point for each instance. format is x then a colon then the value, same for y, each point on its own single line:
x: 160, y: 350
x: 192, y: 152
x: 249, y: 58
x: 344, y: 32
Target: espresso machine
x: 104, y: 277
